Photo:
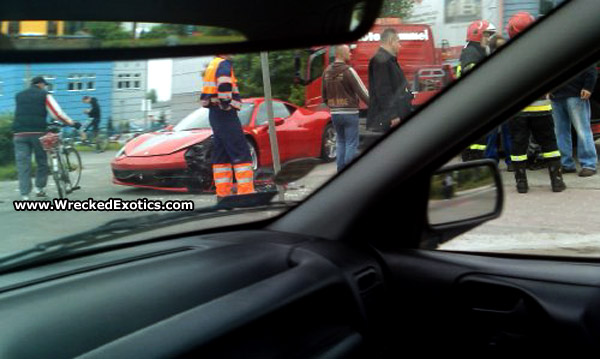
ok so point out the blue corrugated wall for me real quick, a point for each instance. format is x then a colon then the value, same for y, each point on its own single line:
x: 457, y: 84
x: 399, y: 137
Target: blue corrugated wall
x: 65, y: 90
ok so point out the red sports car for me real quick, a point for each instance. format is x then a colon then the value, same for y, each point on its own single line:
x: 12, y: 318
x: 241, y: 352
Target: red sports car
x: 179, y: 159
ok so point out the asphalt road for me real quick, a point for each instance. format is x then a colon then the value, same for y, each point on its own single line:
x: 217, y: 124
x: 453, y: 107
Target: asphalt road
x: 538, y: 222
x: 22, y: 229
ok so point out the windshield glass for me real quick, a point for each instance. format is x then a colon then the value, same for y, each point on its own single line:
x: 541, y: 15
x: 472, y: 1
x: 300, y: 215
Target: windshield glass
x: 127, y: 151
x: 199, y: 118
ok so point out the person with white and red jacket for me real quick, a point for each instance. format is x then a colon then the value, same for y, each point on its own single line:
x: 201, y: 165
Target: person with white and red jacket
x: 33, y: 106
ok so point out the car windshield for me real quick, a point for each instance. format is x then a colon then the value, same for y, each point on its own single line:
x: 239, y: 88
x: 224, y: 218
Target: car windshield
x: 126, y: 149
x: 199, y: 118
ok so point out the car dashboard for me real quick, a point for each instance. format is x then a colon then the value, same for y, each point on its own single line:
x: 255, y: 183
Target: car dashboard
x: 220, y: 296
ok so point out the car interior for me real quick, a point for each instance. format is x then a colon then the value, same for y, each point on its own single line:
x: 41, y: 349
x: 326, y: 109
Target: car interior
x: 351, y: 272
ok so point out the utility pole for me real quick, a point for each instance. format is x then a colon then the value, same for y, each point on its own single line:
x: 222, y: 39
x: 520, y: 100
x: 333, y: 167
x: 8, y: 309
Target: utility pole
x: 264, y: 58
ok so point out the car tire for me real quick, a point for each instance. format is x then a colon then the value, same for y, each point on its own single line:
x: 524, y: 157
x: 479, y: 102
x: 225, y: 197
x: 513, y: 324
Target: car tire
x: 328, y: 143
x: 253, y: 154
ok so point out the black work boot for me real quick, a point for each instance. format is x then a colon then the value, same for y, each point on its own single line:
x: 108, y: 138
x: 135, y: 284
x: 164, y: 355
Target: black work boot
x: 556, y: 179
x: 521, y: 177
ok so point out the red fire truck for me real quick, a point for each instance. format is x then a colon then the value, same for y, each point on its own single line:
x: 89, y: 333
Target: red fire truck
x: 419, y: 59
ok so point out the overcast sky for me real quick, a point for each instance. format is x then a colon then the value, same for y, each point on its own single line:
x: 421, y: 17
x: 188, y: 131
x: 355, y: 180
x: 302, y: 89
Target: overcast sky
x: 159, y: 77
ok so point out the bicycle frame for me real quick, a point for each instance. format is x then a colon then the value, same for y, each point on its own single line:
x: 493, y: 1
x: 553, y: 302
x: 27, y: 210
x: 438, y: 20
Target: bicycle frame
x: 57, y: 157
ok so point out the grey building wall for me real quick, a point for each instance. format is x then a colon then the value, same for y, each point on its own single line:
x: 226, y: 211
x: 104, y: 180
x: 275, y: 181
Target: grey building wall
x: 129, y: 89
x: 186, y: 85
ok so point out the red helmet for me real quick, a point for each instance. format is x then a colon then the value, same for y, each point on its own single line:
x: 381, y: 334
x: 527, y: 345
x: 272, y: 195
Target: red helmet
x: 477, y: 28
x: 519, y: 22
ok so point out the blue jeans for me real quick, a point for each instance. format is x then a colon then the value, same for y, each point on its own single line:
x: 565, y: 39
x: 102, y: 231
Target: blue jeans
x: 491, y: 150
x: 576, y: 111
x: 25, y: 146
x: 346, y: 128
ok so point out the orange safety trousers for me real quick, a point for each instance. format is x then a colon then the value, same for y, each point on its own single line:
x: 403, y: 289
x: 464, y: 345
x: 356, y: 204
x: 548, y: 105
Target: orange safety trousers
x: 244, y: 176
x: 223, y: 176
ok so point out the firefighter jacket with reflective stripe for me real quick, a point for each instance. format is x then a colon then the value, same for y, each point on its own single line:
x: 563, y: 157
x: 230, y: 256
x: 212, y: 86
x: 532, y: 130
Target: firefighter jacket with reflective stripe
x: 541, y: 107
x: 470, y: 56
x: 220, y: 86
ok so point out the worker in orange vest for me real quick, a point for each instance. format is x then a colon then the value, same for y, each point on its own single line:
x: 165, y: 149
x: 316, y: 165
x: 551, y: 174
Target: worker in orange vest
x: 231, y: 155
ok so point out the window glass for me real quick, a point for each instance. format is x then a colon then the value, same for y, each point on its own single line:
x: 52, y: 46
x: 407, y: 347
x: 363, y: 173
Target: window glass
x: 317, y: 65
x: 279, y: 111
x: 160, y: 141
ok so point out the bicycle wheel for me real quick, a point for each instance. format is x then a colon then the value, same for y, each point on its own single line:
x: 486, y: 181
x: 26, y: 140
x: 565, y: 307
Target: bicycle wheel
x: 72, y: 163
x: 58, y: 176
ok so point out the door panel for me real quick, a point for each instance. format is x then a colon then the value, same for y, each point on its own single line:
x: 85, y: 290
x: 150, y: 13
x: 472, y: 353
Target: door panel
x: 489, y: 305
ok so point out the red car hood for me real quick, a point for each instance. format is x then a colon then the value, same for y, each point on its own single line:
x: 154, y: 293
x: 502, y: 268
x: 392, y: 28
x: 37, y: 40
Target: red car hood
x: 163, y: 143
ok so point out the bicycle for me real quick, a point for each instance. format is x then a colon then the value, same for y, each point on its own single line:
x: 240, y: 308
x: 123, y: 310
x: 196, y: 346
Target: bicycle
x: 64, y: 160
x: 99, y: 141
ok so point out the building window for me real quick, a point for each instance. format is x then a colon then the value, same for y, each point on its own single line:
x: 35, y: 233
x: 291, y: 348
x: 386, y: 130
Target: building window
x: 129, y: 81
x: 91, y: 82
x: 81, y: 82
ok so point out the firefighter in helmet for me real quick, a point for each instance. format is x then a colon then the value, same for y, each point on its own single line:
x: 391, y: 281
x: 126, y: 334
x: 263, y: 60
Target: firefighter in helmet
x: 231, y: 155
x: 476, y: 50
x: 535, y: 120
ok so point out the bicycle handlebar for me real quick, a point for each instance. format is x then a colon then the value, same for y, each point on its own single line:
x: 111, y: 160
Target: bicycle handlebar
x: 56, y: 126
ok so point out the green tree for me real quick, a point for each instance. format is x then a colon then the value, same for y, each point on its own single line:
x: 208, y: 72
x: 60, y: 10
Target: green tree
x: 397, y: 8
x: 152, y: 95
x: 248, y: 71
x: 164, y: 30
x: 107, y: 30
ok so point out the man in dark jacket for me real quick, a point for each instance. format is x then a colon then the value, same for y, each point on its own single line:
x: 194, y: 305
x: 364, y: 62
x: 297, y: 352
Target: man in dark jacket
x: 342, y: 89
x: 571, y: 106
x: 33, y: 106
x: 94, y: 113
x: 389, y: 96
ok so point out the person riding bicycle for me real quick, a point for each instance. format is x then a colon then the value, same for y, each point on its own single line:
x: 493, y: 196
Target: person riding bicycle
x: 94, y: 113
x: 32, y: 107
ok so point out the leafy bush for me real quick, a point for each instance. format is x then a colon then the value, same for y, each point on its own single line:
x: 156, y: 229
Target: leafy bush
x: 7, y: 155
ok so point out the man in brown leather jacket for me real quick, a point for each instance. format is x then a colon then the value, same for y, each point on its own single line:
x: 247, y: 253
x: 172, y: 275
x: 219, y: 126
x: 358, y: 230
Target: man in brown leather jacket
x: 342, y: 89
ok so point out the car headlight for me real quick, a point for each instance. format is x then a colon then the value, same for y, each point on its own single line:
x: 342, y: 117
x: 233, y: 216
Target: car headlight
x: 121, y: 152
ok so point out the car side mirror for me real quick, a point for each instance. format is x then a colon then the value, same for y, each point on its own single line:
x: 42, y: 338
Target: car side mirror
x: 461, y: 197
x: 169, y: 128
x: 278, y: 121
x: 298, y: 78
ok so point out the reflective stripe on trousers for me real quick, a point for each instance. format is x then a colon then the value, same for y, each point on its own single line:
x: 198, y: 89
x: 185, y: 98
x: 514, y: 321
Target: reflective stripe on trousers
x: 244, y: 176
x: 553, y: 154
x: 223, y: 176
